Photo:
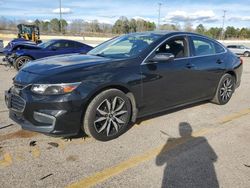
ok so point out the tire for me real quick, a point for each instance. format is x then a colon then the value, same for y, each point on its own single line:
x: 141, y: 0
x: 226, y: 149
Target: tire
x: 108, y: 115
x: 224, y: 90
x: 21, y: 61
x: 246, y: 54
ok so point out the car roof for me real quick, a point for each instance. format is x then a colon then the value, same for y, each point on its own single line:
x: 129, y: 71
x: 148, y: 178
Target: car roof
x: 64, y: 40
x: 166, y: 32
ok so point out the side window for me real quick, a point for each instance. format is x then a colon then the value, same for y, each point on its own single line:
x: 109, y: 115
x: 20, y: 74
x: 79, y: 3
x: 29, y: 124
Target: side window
x: 178, y: 47
x: 72, y: 44
x: 78, y: 45
x: 218, y: 48
x: 203, y: 46
x: 58, y: 45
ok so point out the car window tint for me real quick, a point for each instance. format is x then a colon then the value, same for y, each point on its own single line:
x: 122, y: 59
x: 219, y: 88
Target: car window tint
x: 58, y: 44
x: 78, y: 44
x: 218, y: 48
x: 177, y: 47
x: 203, y: 46
x: 71, y: 44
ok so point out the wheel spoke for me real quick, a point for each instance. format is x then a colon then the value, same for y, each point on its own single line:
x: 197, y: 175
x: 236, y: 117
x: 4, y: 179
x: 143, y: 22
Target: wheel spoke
x: 115, y: 125
x: 119, y: 107
x: 114, y: 103
x: 120, y: 112
x: 108, y: 127
x: 100, y: 119
x: 108, y: 105
x: 228, y: 82
x: 119, y: 120
x: 103, y: 126
x: 103, y: 113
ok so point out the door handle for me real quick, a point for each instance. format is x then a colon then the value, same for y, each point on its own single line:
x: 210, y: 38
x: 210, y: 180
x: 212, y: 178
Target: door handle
x: 190, y: 66
x: 219, y: 61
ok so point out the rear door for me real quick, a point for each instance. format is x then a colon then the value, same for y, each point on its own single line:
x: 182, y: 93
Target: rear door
x: 208, y: 65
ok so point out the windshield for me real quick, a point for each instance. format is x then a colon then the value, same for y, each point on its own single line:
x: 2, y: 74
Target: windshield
x: 46, y: 44
x: 125, y: 46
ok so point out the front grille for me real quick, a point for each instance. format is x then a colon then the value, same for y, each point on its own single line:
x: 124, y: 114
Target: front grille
x: 17, y: 103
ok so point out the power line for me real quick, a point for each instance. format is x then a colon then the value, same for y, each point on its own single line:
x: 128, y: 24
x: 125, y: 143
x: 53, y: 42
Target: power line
x: 159, y: 15
x: 223, y: 23
x: 60, y: 21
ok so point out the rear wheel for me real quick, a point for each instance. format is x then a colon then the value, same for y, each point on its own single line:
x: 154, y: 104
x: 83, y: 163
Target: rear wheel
x: 108, y: 115
x: 21, y: 61
x: 225, y: 89
x: 246, y: 54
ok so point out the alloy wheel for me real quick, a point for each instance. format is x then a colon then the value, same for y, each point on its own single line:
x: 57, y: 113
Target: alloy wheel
x: 111, y: 116
x: 22, y: 62
x: 226, y: 89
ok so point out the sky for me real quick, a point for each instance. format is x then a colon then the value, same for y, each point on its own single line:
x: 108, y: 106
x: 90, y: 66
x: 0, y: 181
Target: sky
x: 208, y: 13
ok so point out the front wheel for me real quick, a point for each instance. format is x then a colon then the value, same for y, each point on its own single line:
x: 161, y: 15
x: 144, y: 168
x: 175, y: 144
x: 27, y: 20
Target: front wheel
x: 108, y: 115
x: 225, y: 89
x: 21, y: 61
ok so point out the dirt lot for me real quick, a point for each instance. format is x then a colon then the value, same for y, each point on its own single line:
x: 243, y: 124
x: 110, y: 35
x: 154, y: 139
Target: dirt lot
x: 151, y: 154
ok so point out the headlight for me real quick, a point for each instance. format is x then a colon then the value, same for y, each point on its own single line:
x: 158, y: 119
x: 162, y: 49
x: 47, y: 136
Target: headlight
x: 54, y: 89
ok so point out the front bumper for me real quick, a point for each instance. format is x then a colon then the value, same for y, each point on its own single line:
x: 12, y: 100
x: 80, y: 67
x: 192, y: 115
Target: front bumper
x: 9, y: 59
x: 54, y: 115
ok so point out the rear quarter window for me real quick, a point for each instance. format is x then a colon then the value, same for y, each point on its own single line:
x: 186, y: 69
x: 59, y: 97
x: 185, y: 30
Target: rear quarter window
x: 218, y: 48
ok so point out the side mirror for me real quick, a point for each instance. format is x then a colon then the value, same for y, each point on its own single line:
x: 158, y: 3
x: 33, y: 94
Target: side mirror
x: 160, y: 57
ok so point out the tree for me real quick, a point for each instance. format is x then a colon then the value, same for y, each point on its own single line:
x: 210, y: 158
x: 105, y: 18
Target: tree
x: 37, y: 23
x: 214, y: 32
x: 231, y: 32
x: 200, y: 29
x: 132, y: 25
x: 121, y: 25
x: 169, y: 27
x: 54, y: 25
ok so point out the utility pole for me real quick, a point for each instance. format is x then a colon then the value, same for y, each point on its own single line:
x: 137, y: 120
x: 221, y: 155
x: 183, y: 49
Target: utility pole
x: 223, y: 23
x: 159, y: 15
x: 60, y: 21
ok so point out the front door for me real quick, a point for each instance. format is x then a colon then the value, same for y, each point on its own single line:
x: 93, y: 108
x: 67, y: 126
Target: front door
x: 167, y: 83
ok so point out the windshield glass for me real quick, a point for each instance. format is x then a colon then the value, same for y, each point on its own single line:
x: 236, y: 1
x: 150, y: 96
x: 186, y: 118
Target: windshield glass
x: 46, y: 44
x: 124, y: 46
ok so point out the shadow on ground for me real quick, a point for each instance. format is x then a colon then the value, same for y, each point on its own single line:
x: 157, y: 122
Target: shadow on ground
x: 190, y: 164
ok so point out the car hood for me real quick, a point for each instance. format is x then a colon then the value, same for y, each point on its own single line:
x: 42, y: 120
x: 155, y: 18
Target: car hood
x: 63, y: 63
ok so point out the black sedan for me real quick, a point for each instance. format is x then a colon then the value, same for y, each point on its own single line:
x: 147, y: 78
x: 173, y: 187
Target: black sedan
x: 123, y: 79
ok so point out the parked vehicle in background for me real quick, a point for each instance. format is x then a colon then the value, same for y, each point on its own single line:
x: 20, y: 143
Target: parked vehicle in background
x: 14, y: 45
x: 28, y: 52
x: 29, y: 32
x: 239, y: 50
x: 1, y: 46
x: 125, y: 78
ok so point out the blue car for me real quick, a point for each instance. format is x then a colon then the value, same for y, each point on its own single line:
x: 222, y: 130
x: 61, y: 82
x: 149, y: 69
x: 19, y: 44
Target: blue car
x: 28, y: 52
x: 16, y: 44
